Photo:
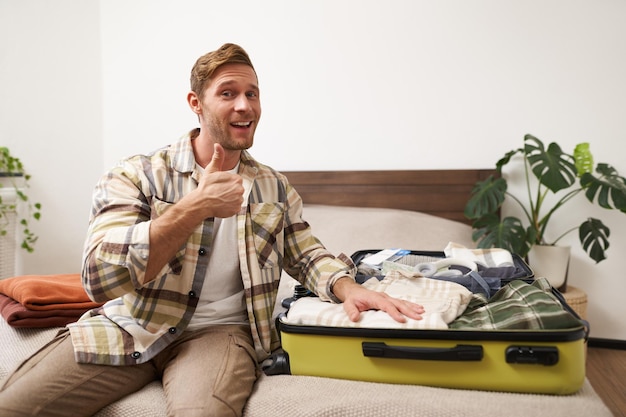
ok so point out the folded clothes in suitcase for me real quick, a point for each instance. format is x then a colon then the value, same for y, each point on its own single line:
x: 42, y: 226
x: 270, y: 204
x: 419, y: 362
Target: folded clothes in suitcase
x: 480, y: 270
x: 523, y: 339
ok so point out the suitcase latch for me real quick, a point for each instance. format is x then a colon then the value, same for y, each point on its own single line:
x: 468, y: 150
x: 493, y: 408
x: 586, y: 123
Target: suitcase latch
x: 534, y: 355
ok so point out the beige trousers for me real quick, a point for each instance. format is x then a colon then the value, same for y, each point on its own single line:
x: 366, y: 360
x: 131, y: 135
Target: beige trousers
x: 208, y: 372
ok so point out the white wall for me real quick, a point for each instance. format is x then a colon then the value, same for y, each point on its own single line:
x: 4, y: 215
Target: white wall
x: 51, y: 118
x: 351, y: 84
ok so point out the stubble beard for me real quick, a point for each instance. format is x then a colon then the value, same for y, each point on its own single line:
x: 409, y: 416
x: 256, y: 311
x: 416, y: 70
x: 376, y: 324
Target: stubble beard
x: 222, y: 136
x: 231, y: 144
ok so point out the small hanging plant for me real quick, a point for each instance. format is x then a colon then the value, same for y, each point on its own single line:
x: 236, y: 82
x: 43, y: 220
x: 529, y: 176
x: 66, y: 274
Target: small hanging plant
x: 12, y: 169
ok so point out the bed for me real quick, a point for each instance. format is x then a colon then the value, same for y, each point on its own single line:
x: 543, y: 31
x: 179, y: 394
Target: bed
x: 441, y: 193
x: 348, y: 211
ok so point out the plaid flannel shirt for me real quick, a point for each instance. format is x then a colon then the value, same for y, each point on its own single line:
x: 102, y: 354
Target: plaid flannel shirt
x: 139, y: 319
x: 517, y: 306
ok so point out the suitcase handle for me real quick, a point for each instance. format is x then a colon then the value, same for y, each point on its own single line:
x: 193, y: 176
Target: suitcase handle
x: 457, y: 353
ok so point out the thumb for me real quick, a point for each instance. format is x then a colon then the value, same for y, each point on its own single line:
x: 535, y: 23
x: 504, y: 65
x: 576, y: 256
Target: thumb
x: 352, y: 311
x: 217, y: 160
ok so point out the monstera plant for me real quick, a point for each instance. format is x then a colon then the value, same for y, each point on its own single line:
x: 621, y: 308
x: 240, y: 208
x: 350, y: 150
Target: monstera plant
x: 557, y: 174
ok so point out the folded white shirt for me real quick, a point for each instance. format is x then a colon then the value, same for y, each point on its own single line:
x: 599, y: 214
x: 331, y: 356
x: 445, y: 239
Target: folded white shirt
x: 443, y: 302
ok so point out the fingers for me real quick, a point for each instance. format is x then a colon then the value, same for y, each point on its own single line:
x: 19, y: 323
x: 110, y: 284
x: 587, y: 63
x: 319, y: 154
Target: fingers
x: 399, y: 310
x: 222, y: 192
x: 395, y: 314
x: 412, y: 310
x: 396, y: 308
x: 352, y: 311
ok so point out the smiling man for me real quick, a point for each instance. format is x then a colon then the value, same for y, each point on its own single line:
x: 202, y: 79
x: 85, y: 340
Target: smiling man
x: 185, y: 248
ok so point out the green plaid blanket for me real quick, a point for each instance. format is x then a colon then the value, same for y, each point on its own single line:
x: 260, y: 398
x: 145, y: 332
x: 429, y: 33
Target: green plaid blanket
x: 517, y: 306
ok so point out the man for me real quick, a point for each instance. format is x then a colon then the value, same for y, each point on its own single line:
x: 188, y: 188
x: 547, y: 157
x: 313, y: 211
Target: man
x: 186, y: 246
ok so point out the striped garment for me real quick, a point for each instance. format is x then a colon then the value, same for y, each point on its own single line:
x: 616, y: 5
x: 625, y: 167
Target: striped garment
x: 517, y: 306
x: 140, y: 319
x: 443, y: 302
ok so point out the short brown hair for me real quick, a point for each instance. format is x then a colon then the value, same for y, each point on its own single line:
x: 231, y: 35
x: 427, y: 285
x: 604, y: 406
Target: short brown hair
x: 207, y: 64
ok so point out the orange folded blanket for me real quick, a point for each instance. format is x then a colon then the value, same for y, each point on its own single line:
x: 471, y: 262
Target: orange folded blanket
x: 16, y: 315
x: 47, y: 292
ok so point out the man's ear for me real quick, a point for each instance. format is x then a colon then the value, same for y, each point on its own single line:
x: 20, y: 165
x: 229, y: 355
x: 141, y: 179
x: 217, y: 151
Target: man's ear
x: 194, y: 102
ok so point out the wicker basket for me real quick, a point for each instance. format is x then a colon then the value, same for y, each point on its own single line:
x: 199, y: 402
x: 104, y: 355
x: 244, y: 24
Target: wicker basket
x: 577, y: 299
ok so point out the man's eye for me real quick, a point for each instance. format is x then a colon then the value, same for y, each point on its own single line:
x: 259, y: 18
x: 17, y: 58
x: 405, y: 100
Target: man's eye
x: 227, y: 93
x: 252, y: 94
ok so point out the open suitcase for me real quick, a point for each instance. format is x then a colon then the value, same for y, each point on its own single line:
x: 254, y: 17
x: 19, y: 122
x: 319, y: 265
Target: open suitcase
x: 527, y: 361
x: 483, y: 281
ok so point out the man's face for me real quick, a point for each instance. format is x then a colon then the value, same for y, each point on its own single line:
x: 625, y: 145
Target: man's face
x: 231, y: 106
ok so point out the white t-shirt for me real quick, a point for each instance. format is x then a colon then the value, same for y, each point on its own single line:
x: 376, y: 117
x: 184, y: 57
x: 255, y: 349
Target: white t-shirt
x: 222, y: 298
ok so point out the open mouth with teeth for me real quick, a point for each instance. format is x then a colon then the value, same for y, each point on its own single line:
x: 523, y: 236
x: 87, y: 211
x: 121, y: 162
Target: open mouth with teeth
x: 241, y: 124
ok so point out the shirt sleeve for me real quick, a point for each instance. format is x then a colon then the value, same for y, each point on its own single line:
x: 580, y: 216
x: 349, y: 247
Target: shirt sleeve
x: 117, y: 247
x: 306, y: 258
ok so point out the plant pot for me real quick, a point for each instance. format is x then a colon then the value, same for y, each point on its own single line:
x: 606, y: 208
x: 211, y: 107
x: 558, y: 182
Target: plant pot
x: 552, y: 263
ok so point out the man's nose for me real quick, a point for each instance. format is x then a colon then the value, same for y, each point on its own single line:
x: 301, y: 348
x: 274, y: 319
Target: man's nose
x: 242, y: 103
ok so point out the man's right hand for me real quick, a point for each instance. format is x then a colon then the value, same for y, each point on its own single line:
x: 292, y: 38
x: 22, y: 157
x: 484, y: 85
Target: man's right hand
x: 219, y: 194
x: 221, y: 191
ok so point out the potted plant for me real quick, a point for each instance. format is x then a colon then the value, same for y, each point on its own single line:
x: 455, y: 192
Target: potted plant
x: 548, y: 172
x: 15, y: 178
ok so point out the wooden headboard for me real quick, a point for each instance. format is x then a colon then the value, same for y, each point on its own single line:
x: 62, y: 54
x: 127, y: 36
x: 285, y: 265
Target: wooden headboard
x: 442, y: 193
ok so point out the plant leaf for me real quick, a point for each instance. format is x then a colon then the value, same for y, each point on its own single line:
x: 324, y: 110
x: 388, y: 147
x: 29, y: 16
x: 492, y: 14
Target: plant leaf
x: 506, y: 158
x: 553, y: 168
x: 583, y: 158
x: 510, y: 234
x: 609, y: 190
x: 487, y: 197
x: 14, y: 168
x: 594, y: 236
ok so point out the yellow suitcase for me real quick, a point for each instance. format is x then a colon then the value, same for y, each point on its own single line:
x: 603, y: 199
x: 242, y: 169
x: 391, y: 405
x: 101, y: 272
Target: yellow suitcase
x: 526, y: 361
x: 548, y: 362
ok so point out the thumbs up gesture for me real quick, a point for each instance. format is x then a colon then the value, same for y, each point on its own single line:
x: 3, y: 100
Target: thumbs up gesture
x: 217, y: 161
x: 222, y: 192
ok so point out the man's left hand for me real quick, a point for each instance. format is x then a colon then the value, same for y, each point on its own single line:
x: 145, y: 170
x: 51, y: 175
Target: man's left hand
x: 356, y: 299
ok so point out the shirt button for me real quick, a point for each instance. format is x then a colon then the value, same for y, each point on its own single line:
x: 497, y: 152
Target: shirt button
x: 135, y: 355
x: 172, y: 330
x: 202, y: 252
x: 192, y: 294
